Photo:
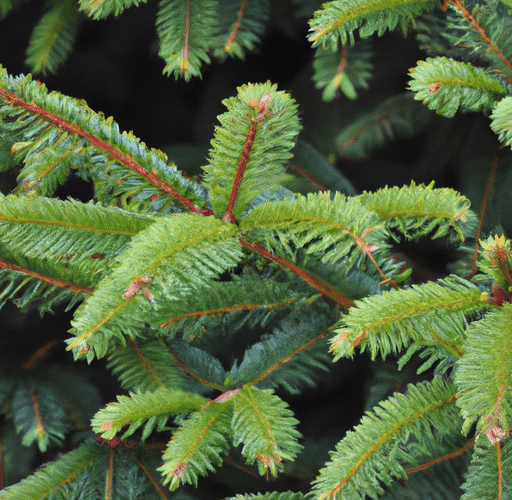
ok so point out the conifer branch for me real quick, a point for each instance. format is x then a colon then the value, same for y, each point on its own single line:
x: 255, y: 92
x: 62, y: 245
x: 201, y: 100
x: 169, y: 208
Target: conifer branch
x: 198, y: 445
x: 158, y: 487
x: 193, y: 375
x: 53, y: 37
x: 444, y: 85
x: 46, y: 279
x: 112, y: 151
x: 339, y: 19
x: 323, y: 287
x: 460, y: 7
x: 55, y: 476
x: 250, y: 148
x: 448, y: 456
x: 370, y: 450
x: 228, y: 309
x: 151, y: 409
x: 287, y: 358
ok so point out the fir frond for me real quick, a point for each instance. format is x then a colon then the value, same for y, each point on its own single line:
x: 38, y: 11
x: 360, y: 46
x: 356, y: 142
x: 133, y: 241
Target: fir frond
x: 398, y: 116
x: 199, y: 364
x: 174, y: 257
x: 501, y: 119
x: 151, y: 409
x: 489, y: 473
x: 53, y: 37
x: 446, y: 85
x: 334, y: 227
x: 52, y: 134
x: 345, y: 70
x: 265, y: 426
x: 241, y: 23
x: 186, y: 29
x: 247, y: 294
x: 55, y: 250
x: 144, y: 366
x: 419, y: 210
x: 482, y: 376
x: 340, y: 19
x: 484, y: 33
x: 437, y: 467
x: 55, y: 477
x: 196, y: 447
x: 99, y: 9
x: 495, y: 260
x: 39, y: 416
x: 289, y: 356
x: 370, y: 455
x: 432, y: 314
x: 250, y: 146
x: 274, y: 495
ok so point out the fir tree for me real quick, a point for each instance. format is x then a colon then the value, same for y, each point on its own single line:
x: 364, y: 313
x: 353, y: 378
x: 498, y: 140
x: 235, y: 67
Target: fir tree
x: 214, y: 299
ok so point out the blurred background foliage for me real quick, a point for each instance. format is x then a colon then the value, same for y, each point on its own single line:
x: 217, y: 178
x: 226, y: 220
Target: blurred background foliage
x: 115, y: 67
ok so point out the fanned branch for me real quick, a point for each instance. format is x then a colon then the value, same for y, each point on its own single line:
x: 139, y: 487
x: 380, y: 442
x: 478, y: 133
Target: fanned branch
x: 483, y: 33
x: 287, y: 357
x: 99, y: 9
x: 151, y: 409
x: 446, y: 85
x: 397, y: 116
x: 248, y: 294
x: 171, y: 259
x: 419, y: 210
x: 337, y: 228
x: 198, y: 364
x: 342, y: 70
x: 263, y: 423
x: 51, y: 134
x: 53, y: 250
x: 339, y: 19
x: 484, y: 392
x: 186, y: 29
x: 285, y: 495
x: 56, y: 476
x: 250, y: 147
x: 39, y: 416
x: 399, y: 318
x: 241, y: 22
x: 53, y: 37
x: 144, y: 366
x: 196, y: 447
x: 489, y: 472
x: 370, y: 455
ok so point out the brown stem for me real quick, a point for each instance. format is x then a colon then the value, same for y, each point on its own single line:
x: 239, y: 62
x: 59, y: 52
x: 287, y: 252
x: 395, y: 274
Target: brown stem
x: 458, y: 5
x: 46, y: 279
x: 310, y: 278
x: 242, y: 163
x: 444, y: 458
x: 123, y: 158
x: 284, y: 360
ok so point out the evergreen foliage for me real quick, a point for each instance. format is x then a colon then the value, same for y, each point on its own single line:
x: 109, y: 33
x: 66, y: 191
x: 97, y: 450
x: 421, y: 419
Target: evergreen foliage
x: 214, y: 298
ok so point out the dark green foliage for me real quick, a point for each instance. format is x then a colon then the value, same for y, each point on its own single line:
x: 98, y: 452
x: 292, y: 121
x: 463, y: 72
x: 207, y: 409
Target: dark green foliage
x: 216, y: 301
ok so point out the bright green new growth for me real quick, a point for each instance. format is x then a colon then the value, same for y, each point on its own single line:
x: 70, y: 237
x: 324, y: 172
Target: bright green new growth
x: 212, y: 301
x: 445, y: 85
